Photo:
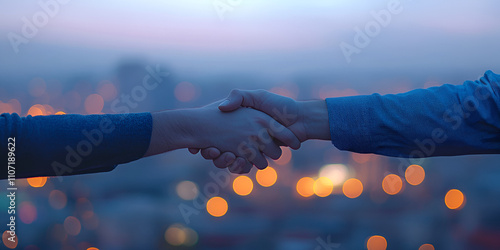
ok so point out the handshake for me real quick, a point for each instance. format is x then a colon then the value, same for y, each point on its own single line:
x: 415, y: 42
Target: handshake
x: 241, y: 130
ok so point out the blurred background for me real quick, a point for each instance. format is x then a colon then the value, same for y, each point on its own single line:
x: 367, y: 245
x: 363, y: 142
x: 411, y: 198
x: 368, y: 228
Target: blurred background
x: 86, y: 57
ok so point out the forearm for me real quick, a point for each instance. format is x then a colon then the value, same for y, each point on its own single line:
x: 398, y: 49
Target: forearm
x: 440, y: 121
x: 172, y: 129
x: 74, y: 144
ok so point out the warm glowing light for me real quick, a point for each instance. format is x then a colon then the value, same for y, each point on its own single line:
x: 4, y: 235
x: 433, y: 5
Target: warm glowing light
x: 242, y: 185
x: 37, y: 87
x: 107, y: 90
x: 376, y: 242
x: 266, y: 177
x: 392, y: 184
x: 286, y: 156
x: 415, y: 175
x: 34, y: 111
x: 57, y: 199
x: 426, y: 247
x: 27, y: 212
x: 305, y: 186
x: 15, y: 106
x: 337, y: 173
x: 5, y: 239
x: 185, y: 91
x: 187, y: 190
x: 94, y: 104
x: 361, y: 158
x: 177, y: 235
x: 323, y: 187
x: 92, y: 248
x: 37, y: 181
x: 60, y: 113
x: 217, y: 206
x: 72, y: 225
x: 454, y: 199
x: 352, y: 188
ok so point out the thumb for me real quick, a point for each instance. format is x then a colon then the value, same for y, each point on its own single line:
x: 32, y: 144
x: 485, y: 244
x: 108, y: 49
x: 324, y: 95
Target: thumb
x: 232, y: 102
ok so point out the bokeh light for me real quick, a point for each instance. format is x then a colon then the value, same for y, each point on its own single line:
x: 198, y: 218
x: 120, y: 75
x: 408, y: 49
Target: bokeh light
x: 454, y: 199
x: 177, y: 235
x: 37, y: 182
x: 415, y: 175
x: 337, y: 173
x: 352, y: 188
x: 187, y: 190
x: 266, y: 177
x: 72, y: 225
x: 107, y: 90
x: 57, y: 199
x: 217, y: 206
x: 426, y: 247
x: 392, y: 184
x: 35, y: 111
x: 27, y: 212
x: 376, y: 242
x: 286, y: 156
x: 185, y: 91
x: 243, y: 185
x: 94, y: 104
x: 5, y: 239
x: 323, y: 187
x: 305, y: 186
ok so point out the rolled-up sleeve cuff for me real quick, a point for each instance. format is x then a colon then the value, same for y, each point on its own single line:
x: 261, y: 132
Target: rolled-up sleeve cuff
x: 349, y: 119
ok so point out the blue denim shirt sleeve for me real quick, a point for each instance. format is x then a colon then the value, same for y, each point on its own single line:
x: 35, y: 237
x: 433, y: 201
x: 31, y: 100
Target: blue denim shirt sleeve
x: 438, y: 121
x: 72, y: 144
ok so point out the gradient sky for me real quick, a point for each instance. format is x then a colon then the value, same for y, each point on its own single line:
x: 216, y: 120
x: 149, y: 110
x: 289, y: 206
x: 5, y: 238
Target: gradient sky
x: 264, y: 36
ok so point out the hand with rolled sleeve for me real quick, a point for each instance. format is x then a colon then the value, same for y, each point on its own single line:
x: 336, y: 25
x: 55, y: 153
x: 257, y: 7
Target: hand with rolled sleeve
x: 440, y: 121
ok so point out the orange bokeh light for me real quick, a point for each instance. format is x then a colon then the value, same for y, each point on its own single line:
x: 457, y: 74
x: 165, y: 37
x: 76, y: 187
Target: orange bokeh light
x: 37, y: 181
x: 352, y: 188
x: 217, y: 206
x: 5, y: 239
x: 35, y: 111
x: 323, y: 187
x: 415, y: 175
x: 376, y: 242
x: 286, y: 156
x: 454, y: 199
x: 242, y: 185
x: 305, y: 186
x: 392, y: 184
x: 266, y: 177
x: 426, y: 247
x: 94, y: 104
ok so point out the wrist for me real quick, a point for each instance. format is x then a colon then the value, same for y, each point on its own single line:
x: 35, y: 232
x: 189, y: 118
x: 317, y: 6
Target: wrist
x: 314, y: 115
x: 172, y: 129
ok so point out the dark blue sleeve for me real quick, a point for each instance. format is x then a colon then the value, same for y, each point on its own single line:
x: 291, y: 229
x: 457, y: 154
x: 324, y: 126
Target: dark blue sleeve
x: 72, y: 144
x: 439, y: 121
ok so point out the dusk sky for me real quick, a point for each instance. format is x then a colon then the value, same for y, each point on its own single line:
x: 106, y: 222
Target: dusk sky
x: 253, y: 35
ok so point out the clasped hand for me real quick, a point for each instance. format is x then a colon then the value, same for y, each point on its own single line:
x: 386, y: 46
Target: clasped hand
x: 255, y: 124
